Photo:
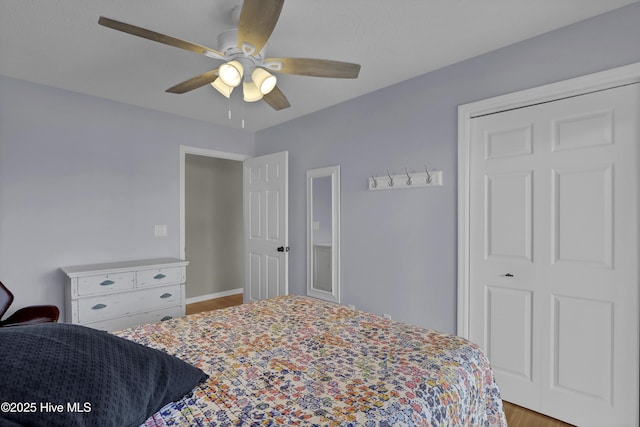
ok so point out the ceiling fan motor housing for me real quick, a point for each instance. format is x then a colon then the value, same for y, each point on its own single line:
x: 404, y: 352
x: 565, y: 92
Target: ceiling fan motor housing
x: 227, y: 44
x: 227, y: 41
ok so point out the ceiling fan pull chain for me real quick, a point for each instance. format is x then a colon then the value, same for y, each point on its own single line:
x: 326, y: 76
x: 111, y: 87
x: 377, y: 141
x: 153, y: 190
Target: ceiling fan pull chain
x: 243, y: 115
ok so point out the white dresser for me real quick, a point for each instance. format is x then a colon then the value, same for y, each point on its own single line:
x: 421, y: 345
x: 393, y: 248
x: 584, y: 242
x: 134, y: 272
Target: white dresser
x: 122, y: 294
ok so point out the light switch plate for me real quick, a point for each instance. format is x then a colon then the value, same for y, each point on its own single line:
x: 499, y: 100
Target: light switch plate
x: 160, y: 231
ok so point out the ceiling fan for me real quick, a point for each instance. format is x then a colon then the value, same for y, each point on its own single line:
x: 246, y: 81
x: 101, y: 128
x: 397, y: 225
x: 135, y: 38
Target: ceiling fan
x: 241, y: 51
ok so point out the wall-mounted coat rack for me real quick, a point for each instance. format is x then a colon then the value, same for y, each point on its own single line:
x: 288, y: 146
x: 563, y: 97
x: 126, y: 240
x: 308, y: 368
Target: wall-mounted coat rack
x: 406, y: 180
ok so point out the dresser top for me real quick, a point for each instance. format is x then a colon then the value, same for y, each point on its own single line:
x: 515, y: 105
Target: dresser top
x: 82, y: 270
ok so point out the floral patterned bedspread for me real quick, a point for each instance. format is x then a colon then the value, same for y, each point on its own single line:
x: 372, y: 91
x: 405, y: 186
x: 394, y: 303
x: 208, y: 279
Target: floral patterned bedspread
x: 296, y: 360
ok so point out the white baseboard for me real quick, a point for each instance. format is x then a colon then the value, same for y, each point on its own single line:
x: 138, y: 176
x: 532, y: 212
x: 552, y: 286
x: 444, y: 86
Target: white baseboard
x: 214, y: 295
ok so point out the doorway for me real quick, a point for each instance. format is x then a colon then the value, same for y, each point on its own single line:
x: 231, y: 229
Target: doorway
x: 211, y: 222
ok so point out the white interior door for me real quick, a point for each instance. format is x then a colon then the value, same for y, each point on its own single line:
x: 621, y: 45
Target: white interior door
x: 554, y: 254
x: 265, y: 186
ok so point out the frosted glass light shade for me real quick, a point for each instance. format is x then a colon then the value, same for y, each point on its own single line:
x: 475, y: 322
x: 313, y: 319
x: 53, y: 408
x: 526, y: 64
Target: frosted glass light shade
x: 231, y: 73
x: 251, y: 92
x: 264, y: 80
x: 221, y: 87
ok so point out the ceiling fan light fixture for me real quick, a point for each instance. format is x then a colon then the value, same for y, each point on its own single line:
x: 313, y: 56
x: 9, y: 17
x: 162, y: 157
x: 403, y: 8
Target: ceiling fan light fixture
x: 221, y: 87
x: 264, y: 80
x: 242, y: 51
x: 231, y: 73
x: 251, y: 92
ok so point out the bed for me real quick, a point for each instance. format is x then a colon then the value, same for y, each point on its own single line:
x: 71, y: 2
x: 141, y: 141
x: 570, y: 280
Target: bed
x: 290, y: 360
x: 299, y: 361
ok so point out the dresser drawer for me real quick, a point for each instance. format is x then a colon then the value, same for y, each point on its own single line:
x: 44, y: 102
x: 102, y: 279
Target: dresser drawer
x: 138, y: 319
x: 159, y: 276
x: 102, y: 307
x: 105, y: 283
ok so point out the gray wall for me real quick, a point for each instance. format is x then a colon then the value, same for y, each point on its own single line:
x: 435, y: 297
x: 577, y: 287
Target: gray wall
x: 213, y: 225
x: 84, y: 180
x: 399, y: 247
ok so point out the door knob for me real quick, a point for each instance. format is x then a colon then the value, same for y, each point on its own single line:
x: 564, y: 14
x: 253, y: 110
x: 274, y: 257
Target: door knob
x: 283, y: 249
x: 508, y: 275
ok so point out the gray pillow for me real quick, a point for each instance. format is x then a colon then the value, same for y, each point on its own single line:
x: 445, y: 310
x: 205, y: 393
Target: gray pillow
x: 57, y: 374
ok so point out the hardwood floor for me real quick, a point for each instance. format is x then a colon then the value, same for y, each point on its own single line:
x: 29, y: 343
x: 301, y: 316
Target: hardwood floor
x: 214, y: 304
x: 517, y: 416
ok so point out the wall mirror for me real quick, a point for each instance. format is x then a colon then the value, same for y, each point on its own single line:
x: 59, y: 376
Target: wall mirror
x: 323, y: 233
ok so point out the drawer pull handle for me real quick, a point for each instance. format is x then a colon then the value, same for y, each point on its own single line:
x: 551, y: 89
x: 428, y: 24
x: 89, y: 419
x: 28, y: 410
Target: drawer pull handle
x: 107, y: 283
x: 159, y: 276
x: 99, y: 306
x: 165, y: 295
x: 166, y: 318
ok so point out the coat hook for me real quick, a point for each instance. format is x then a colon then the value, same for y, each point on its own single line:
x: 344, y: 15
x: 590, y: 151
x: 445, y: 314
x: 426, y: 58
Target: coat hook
x: 374, y: 182
x: 408, y: 176
x: 428, y: 175
x: 390, y: 179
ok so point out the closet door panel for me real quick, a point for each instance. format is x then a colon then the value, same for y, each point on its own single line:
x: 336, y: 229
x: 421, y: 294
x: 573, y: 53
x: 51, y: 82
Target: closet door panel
x: 502, y: 242
x: 509, y: 339
x: 508, y: 216
x: 582, y: 347
x: 582, y: 210
x: 589, y: 354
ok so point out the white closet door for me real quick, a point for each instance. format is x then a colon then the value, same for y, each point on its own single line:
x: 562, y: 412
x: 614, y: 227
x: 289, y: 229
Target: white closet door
x: 503, y: 276
x: 554, y: 254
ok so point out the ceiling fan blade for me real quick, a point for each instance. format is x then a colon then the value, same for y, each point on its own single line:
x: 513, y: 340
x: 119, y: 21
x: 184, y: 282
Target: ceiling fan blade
x: 276, y: 99
x: 194, y: 82
x: 313, y: 67
x: 159, y: 37
x: 258, y: 18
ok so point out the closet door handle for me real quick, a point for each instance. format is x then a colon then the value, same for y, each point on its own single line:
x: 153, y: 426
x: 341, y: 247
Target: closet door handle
x: 283, y: 249
x: 508, y: 275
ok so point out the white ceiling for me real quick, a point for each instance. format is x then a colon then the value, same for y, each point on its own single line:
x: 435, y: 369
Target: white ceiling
x: 59, y: 43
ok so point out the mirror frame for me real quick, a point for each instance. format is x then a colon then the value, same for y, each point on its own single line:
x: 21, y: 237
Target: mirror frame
x: 334, y: 173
